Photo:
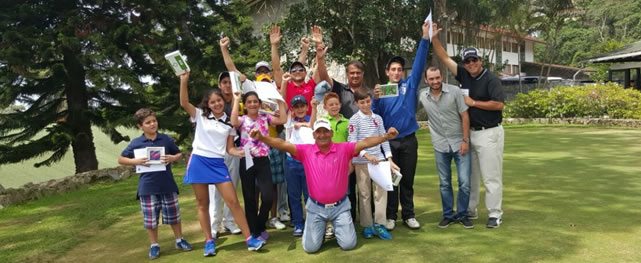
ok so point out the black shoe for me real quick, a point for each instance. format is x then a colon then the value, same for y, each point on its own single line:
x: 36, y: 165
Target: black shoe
x: 494, y: 222
x: 467, y: 223
x: 446, y: 222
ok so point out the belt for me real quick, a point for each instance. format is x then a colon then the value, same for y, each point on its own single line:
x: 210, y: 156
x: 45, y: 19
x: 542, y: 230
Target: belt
x: 330, y: 205
x: 404, y: 137
x: 480, y: 128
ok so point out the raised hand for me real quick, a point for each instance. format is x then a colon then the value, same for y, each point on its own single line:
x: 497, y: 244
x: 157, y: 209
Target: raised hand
x: 317, y: 34
x: 304, y: 41
x: 184, y: 77
x: 435, y: 30
x: 287, y: 77
x: 224, y: 42
x: 274, y: 35
x: 321, y: 50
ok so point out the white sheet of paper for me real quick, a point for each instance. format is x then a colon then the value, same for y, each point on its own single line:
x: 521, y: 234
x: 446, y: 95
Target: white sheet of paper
x: 236, y: 86
x: 428, y: 19
x: 249, y: 161
x: 268, y: 91
x: 142, y: 153
x: 381, y: 175
x: 303, y: 135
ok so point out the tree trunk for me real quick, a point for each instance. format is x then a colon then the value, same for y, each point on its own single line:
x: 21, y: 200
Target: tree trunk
x: 78, y: 121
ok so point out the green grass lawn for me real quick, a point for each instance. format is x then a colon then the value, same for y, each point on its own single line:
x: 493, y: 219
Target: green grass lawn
x: 18, y: 174
x: 571, y: 195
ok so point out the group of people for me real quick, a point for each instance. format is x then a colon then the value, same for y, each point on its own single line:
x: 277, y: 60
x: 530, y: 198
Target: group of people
x: 325, y: 157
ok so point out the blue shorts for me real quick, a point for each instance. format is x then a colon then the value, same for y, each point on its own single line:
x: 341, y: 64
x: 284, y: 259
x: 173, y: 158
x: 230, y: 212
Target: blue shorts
x: 205, y: 170
x: 151, y: 205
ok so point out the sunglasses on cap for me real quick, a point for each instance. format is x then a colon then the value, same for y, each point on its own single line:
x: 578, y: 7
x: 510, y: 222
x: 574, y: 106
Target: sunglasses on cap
x: 297, y: 69
x: 470, y: 60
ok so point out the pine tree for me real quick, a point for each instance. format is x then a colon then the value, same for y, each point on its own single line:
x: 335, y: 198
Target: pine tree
x: 77, y: 64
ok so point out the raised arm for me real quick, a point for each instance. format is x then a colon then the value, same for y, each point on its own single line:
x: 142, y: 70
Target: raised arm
x: 229, y: 62
x: 440, y: 51
x: 234, y: 111
x: 320, y: 73
x: 277, y: 143
x: 312, y: 118
x: 283, y: 85
x: 274, y: 40
x: 304, y: 50
x: 321, y: 69
x: 184, y: 95
x: 375, y: 140
x: 418, y: 67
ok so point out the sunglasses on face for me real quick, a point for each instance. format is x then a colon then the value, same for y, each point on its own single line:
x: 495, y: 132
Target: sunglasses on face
x: 262, y: 71
x: 468, y: 61
x: 294, y: 70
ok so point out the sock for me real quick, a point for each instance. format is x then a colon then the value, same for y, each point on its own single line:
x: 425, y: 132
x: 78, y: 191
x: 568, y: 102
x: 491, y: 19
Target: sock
x: 155, y: 245
x: 179, y: 239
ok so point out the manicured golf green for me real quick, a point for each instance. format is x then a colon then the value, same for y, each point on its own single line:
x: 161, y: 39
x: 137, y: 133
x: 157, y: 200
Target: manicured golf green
x: 571, y: 194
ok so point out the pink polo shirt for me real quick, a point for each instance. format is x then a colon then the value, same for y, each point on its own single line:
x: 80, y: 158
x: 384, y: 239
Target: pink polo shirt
x: 326, y: 173
x: 306, y: 89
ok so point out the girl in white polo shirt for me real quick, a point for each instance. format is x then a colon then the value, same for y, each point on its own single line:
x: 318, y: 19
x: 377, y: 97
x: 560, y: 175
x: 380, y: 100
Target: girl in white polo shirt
x: 213, y: 139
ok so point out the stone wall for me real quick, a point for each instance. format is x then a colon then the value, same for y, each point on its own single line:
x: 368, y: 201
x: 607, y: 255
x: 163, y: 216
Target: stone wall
x: 33, y: 191
x: 624, y: 123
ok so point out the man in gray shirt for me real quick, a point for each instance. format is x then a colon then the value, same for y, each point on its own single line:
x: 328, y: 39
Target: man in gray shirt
x: 450, y: 130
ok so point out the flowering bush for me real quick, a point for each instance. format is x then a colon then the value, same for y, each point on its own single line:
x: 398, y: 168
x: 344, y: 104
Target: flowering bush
x: 595, y: 101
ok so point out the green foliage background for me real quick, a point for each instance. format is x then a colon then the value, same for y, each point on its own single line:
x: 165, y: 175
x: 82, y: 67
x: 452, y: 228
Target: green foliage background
x: 592, y: 101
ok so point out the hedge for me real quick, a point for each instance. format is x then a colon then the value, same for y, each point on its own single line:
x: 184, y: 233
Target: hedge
x: 594, y: 101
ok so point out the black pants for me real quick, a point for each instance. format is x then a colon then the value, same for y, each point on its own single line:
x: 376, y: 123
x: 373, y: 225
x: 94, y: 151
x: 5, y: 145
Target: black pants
x: 351, y: 194
x: 258, y: 177
x: 404, y: 154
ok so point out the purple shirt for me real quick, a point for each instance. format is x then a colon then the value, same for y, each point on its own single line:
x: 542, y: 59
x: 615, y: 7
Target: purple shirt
x: 257, y: 148
x: 326, y: 173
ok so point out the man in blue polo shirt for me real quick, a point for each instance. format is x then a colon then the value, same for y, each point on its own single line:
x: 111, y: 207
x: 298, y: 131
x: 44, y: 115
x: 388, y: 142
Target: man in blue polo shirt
x: 400, y: 112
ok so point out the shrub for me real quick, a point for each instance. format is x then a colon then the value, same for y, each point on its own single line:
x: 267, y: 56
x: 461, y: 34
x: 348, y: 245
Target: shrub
x: 595, y: 101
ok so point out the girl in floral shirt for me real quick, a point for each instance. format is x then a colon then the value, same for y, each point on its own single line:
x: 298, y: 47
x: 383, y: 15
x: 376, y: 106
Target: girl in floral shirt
x: 259, y: 174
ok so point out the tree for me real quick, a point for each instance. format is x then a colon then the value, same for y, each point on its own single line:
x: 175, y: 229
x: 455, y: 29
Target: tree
x: 370, y: 31
x: 74, y: 64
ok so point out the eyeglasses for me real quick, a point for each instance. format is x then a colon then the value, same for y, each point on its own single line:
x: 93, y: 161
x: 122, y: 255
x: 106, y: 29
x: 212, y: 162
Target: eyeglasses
x: 262, y: 71
x: 294, y: 70
x: 468, y: 61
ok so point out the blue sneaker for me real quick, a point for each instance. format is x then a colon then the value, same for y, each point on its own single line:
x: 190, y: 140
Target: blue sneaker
x: 183, y: 245
x: 154, y: 252
x: 210, y: 248
x: 368, y: 232
x: 382, y: 232
x: 298, y: 231
x: 254, y: 243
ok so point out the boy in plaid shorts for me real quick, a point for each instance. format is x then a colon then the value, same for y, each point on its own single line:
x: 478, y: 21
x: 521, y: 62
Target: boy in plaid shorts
x: 157, y: 191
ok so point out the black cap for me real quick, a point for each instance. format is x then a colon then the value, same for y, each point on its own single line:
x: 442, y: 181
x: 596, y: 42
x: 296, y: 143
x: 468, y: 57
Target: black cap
x: 470, y: 52
x: 395, y: 59
x: 296, y: 63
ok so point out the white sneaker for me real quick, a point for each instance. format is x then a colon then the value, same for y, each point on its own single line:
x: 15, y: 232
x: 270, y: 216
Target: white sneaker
x: 276, y: 224
x: 285, y: 218
x: 232, y: 227
x: 412, y: 223
x: 329, y: 231
x: 390, y: 224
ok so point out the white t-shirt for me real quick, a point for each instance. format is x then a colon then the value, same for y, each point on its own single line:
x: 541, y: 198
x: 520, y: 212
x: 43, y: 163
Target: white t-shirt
x: 211, y: 135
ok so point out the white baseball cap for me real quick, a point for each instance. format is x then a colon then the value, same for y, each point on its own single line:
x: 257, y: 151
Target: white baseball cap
x: 322, y: 123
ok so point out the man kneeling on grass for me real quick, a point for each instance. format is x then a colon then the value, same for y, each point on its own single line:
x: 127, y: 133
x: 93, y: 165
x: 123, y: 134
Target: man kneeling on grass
x: 327, y: 169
